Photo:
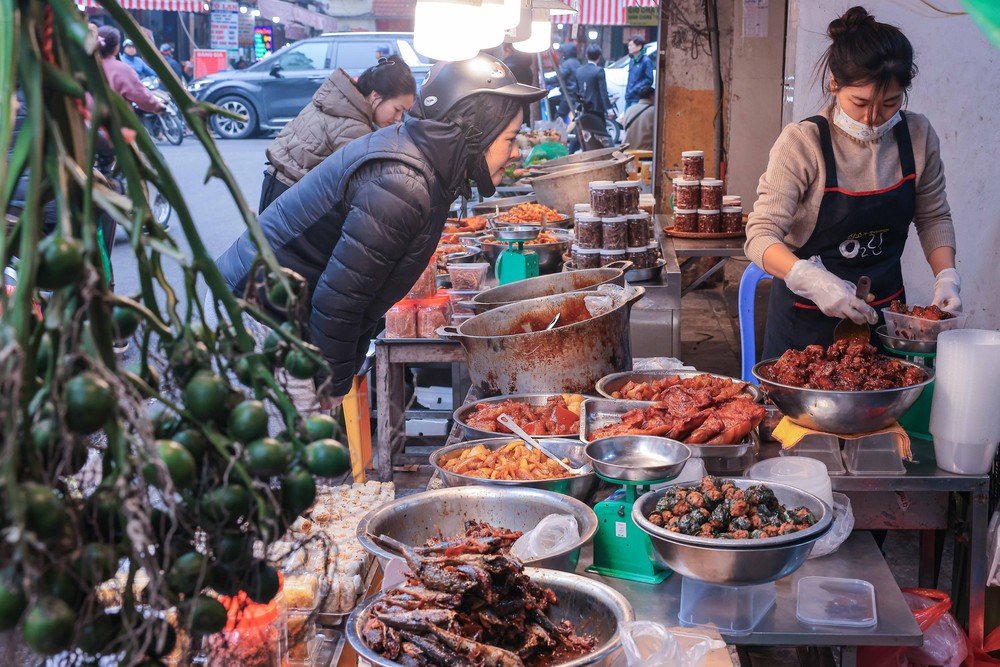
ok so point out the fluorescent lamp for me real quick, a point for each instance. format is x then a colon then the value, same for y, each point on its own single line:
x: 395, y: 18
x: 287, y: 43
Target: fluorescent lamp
x: 492, y: 14
x: 275, y: 19
x: 541, y: 33
x: 255, y: 13
x: 243, y: 9
x: 592, y: 35
x: 446, y: 29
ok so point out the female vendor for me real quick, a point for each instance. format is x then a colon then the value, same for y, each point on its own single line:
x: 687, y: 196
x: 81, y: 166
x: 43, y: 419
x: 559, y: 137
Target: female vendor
x: 841, y: 189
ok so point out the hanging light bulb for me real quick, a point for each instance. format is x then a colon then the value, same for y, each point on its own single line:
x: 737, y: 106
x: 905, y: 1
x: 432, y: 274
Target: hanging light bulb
x: 492, y: 14
x: 503, y: 13
x: 447, y: 29
x: 541, y: 33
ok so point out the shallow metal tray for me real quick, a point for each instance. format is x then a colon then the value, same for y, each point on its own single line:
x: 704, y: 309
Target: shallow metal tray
x: 648, y: 273
x: 612, y: 383
x: 473, y: 433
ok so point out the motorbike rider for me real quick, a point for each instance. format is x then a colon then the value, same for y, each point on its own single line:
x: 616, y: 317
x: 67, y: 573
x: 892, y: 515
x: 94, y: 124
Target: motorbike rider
x: 122, y: 78
x: 131, y: 58
x: 167, y: 51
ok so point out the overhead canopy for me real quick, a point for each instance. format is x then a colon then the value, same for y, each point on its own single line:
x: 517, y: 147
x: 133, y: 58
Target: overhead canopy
x: 293, y: 13
x: 603, y: 12
x: 159, y: 5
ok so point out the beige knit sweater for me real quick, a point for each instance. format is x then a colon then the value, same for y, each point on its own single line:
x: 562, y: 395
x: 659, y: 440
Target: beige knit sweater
x: 790, y: 191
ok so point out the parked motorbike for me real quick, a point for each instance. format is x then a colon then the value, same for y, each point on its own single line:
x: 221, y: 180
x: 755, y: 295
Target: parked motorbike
x: 159, y: 206
x: 170, y: 123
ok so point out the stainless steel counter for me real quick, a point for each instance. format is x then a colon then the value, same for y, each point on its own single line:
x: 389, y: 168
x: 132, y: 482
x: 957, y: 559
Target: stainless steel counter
x: 656, y: 318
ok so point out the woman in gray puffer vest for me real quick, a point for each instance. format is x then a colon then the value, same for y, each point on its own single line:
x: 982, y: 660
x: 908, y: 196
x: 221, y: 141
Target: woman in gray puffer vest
x: 339, y: 112
x: 363, y: 225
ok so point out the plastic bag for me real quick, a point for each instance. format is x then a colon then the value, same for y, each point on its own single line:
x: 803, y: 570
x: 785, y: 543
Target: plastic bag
x: 606, y: 298
x: 650, y: 644
x: 550, y: 150
x: 554, y: 533
x: 843, y: 524
x: 660, y: 364
x: 944, y: 641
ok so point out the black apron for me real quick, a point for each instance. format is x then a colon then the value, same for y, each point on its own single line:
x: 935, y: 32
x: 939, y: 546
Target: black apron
x: 856, y: 234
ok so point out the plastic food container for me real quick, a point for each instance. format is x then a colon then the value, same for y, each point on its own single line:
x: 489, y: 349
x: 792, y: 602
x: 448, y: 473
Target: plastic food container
x: 628, y: 196
x: 732, y: 200
x: 687, y: 195
x: 734, y: 610
x: 426, y: 285
x: 917, y: 328
x: 652, y: 254
x: 588, y: 231
x: 835, y: 601
x: 686, y: 221
x: 587, y: 258
x: 252, y: 636
x: 732, y: 219
x: 693, y: 165
x: 614, y: 233
x: 432, y: 314
x: 803, y: 473
x: 709, y: 221
x: 468, y: 276
x: 638, y: 256
x: 581, y: 208
x: 638, y: 229
x: 401, y: 320
x: 458, y: 297
x: 604, y: 200
x: 711, y: 194
x: 608, y: 256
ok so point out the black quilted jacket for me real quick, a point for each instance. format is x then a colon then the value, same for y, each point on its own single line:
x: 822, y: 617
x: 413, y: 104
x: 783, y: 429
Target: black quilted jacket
x: 360, y: 227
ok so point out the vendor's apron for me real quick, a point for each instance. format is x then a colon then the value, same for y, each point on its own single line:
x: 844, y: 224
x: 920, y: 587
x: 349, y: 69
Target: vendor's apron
x: 857, y: 233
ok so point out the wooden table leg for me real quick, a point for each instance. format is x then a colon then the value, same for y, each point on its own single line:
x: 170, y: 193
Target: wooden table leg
x: 383, y: 414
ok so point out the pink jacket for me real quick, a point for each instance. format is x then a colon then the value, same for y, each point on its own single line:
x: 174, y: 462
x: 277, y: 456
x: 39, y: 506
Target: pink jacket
x: 125, y: 82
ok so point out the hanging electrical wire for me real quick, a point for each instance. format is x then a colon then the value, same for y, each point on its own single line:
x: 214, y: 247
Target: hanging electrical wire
x: 942, y: 11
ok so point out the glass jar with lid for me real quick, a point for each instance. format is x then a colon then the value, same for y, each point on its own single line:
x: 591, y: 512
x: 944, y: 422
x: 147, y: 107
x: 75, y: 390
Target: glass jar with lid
x: 628, y: 196
x: 638, y: 229
x: 604, y: 201
x: 693, y: 165
x: 711, y: 194
x: 687, y: 195
x: 614, y: 233
x: 708, y: 221
x: 589, y: 232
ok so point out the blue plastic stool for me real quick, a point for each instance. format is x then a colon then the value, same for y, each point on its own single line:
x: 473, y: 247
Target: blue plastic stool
x: 748, y: 340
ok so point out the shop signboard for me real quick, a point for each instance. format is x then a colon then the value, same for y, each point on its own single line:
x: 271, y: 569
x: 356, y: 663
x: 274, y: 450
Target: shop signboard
x: 224, y: 23
x: 262, y: 42
x: 208, y: 61
x: 642, y: 16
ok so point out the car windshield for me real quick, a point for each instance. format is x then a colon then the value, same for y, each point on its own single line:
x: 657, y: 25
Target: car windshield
x: 404, y: 46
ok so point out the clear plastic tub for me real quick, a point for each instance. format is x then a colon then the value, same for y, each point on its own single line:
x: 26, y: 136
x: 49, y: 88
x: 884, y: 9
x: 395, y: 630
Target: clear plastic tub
x: 876, y: 454
x: 609, y: 256
x: 426, y: 285
x: 589, y: 232
x: 604, y: 199
x: 801, y: 472
x: 686, y: 221
x: 917, y: 328
x: 588, y: 258
x: 458, y: 297
x: 709, y: 221
x: 693, y: 165
x: 687, y: 195
x: 734, y: 610
x: 711, y: 194
x: 835, y: 601
x: 468, y: 276
x: 820, y: 446
x: 433, y: 314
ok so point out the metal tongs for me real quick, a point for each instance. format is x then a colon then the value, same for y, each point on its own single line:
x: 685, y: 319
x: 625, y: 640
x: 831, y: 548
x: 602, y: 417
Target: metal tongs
x: 533, y: 444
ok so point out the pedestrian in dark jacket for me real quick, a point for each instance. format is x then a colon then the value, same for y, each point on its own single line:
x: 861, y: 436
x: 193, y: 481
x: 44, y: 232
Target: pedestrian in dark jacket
x: 167, y: 51
x: 640, y: 70
x: 363, y: 225
x: 568, y: 65
x: 593, y: 84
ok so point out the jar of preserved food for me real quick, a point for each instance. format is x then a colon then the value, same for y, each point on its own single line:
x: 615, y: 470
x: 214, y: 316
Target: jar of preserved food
x: 432, y: 314
x: 604, y: 199
x: 426, y: 285
x: 731, y: 200
x: 589, y: 232
x: 693, y: 165
x: 614, y: 233
x: 401, y: 320
x: 732, y: 219
x: 686, y: 221
x: 711, y: 194
x: 653, y: 254
x: 581, y: 208
x: 708, y: 221
x: 638, y: 257
x: 687, y: 195
x: 628, y: 196
x: 587, y: 258
x: 638, y: 229
x: 608, y: 256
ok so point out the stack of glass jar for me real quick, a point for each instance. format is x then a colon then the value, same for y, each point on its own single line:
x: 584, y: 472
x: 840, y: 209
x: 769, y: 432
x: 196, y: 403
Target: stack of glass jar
x: 700, y: 205
x: 426, y: 308
x: 614, y: 228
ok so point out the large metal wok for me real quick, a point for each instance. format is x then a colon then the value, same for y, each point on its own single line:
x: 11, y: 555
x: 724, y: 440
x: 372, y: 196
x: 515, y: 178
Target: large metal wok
x: 563, y: 188
x: 559, y: 283
x: 571, y: 357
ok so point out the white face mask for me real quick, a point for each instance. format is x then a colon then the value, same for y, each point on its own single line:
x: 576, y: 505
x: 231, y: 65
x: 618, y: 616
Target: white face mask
x: 861, y: 131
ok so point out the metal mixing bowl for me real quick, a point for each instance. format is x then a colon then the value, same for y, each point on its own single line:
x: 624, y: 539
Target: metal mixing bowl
x: 736, y: 562
x: 550, y: 255
x: 593, y: 608
x: 905, y: 344
x: 415, y: 519
x: 578, y: 487
x: 842, y: 411
x: 539, y: 400
x: 637, y: 458
x: 614, y: 382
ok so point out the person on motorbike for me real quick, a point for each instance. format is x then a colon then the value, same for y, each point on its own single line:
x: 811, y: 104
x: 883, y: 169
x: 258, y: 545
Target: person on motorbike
x: 340, y: 112
x: 167, y: 51
x: 131, y: 58
x: 122, y: 78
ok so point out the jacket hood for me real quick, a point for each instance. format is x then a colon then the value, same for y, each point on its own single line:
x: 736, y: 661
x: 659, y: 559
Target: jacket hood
x: 338, y: 96
x: 445, y: 147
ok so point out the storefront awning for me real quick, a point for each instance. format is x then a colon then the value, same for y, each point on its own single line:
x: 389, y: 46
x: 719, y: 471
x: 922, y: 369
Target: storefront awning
x: 158, y: 5
x: 290, y: 13
x: 603, y: 12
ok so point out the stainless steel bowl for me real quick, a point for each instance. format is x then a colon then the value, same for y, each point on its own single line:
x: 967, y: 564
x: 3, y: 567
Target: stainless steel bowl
x: 905, y: 345
x: 647, y: 273
x: 415, y: 519
x: 593, y: 608
x: 550, y: 255
x: 728, y: 460
x: 463, y: 413
x: 578, y: 487
x: 842, y: 411
x: 736, y: 562
x: 609, y: 384
x: 637, y: 458
x: 556, y: 222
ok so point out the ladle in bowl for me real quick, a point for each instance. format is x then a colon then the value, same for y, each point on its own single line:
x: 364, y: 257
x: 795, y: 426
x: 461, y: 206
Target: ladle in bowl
x: 532, y: 443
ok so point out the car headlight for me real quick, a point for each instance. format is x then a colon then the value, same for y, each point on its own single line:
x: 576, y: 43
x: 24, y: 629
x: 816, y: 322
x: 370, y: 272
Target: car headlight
x: 196, y: 86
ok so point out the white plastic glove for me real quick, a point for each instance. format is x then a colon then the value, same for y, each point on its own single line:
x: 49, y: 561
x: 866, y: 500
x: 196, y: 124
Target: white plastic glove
x: 832, y: 295
x: 947, y: 284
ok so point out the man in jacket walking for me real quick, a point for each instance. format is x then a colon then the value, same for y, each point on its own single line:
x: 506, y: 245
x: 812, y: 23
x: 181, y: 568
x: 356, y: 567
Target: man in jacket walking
x: 134, y: 60
x: 640, y: 70
x: 593, y: 91
x: 568, y: 66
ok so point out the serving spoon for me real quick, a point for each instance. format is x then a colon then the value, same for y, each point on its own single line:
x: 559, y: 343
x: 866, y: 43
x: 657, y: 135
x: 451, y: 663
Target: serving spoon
x: 532, y: 443
x: 848, y: 330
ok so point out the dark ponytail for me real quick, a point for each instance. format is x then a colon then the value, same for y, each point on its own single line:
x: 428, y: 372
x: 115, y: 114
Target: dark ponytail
x: 391, y: 77
x: 108, y: 38
x: 864, y: 51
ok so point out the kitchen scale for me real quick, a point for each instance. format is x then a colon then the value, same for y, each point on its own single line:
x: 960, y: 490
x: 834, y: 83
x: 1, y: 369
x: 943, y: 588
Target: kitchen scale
x: 515, y: 263
x: 621, y: 549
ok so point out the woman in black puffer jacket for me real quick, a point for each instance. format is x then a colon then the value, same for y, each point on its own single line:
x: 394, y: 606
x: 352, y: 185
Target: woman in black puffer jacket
x: 362, y: 225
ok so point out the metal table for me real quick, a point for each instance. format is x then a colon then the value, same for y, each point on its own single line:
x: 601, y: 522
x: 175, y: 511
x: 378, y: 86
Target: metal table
x: 655, y: 322
x: 689, y: 250
x: 858, y: 557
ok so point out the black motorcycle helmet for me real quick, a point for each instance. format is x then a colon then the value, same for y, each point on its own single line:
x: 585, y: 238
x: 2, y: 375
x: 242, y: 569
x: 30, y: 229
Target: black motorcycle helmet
x: 166, y: 49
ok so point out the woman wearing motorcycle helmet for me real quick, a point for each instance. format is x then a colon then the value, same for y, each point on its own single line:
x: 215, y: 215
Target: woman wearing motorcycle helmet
x: 340, y: 112
x: 363, y: 225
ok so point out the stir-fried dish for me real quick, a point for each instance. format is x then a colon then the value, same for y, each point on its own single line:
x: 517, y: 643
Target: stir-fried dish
x: 720, y: 389
x: 464, y: 225
x: 718, y: 508
x: 923, y: 312
x: 844, y: 366
x: 532, y: 213
x: 542, y: 239
x: 559, y: 416
x: 514, y: 461
x: 470, y: 609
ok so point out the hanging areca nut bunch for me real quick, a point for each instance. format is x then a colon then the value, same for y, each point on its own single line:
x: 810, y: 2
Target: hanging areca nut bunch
x: 168, y: 472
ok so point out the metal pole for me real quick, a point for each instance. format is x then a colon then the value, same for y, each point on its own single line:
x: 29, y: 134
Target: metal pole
x: 712, y: 17
x: 661, y: 161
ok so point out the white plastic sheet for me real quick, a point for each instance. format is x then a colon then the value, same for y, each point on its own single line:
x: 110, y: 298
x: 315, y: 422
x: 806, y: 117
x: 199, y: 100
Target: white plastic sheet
x: 553, y: 534
x: 650, y: 644
x: 843, y: 524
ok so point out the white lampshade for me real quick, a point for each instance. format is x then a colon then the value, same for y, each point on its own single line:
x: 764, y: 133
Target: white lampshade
x: 504, y: 13
x: 541, y: 33
x: 492, y: 14
x: 445, y: 29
